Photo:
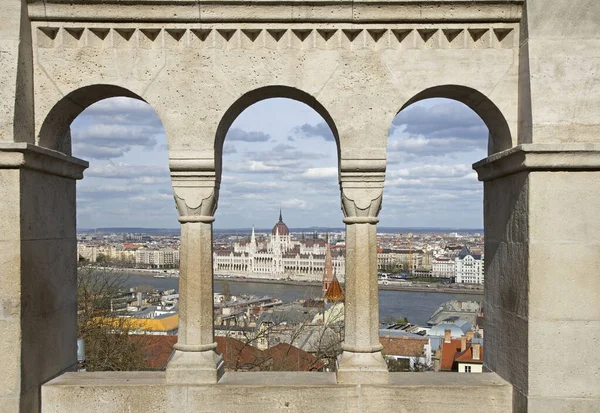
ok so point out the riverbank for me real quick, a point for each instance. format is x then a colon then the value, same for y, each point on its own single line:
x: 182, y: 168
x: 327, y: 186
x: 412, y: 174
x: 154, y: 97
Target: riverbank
x: 390, y: 287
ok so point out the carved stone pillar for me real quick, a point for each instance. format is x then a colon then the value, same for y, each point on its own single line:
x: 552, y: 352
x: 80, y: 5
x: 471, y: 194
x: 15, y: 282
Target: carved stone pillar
x: 542, y: 289
x: 195, y: 359
x: 38, y: 267
x: 361, y: 360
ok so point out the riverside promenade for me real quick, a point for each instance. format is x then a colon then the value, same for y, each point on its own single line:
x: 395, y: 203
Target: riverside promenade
x: 416, y: 286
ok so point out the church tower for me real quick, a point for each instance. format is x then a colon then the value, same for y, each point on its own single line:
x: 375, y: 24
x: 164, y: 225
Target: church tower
x: 281, y: 235
x: 328, y: 273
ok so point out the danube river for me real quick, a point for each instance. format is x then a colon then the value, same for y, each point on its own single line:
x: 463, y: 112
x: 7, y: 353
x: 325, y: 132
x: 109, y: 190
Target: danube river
x: 416, y: 306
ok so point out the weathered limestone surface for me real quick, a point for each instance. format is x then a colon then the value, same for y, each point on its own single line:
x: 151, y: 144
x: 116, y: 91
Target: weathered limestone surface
x: 16, y: 77
x: 37, y: 257
x: 559, y: 86
x: 195, y: 359
x: 361, y: 66
x: 275, y: 392
x: 530, y: 70
x: 542, y: 285
x: 361, y: 360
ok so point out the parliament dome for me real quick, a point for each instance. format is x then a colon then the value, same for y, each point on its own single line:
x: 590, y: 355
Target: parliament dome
x: 280, y: 227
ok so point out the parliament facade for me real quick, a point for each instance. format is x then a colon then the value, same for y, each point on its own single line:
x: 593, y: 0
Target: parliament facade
x: 277, y: 257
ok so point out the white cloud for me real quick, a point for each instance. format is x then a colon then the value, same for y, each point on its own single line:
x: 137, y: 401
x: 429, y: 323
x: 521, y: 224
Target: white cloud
x: 294, y: 203
x: 319, y: 173
x: 250, y: 166
x: 237, y: 134
x: 429, y: 180
x: 123, y: 170
x: 320, y: 130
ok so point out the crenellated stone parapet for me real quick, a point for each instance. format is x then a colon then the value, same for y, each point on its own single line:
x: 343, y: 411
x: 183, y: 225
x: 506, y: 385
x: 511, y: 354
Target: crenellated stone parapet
x: 292, y: 35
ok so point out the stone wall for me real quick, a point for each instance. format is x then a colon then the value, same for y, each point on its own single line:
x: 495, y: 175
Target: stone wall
x: 276, y: 392
x: 529, y: 70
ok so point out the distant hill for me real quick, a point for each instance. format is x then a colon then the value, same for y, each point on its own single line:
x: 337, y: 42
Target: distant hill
x: 309, y: 230
x: 389, y: 230
x: 133, y: 230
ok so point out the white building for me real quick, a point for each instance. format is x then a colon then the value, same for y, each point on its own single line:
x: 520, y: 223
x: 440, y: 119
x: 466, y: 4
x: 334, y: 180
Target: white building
x: 469, y: 267
x: 157, y: 258
x: 92, y: 253
x: 443, y: 267
x: 388, y: 258
x: 279, y: 257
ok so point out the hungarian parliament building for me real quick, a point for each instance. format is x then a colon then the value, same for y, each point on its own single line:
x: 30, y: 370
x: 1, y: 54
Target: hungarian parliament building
x: 278, y: 257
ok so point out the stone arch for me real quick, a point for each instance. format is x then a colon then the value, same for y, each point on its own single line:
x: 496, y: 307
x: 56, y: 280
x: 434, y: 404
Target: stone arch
x: 263, y: 93
x: 55, y: 130
x: 500, y: 137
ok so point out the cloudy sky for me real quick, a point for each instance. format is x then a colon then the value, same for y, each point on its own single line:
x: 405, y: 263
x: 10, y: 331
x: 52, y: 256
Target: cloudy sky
x: 280, y: 153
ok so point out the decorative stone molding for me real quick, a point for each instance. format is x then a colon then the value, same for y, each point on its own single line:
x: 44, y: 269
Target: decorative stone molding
x: 195, y: 347
x: 195, y: 187
x: 540, y: 157
x: 361, y: 184
x: 294, y: 36
x: 277, y: 11
x: 361, y: 205
x: 25, y: 155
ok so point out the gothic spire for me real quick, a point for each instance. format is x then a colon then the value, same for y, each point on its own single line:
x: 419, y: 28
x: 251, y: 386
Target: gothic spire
x: 280, y: 217
x: 328, y: 273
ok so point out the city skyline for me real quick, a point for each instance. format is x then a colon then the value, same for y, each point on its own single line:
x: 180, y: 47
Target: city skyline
x: 280, y: 154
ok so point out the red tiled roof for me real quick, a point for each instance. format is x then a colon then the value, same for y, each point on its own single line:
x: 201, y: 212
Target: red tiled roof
x: 449, y: 351
x: 236, y: 355
x: 157, y: 350
x: 403, y: 346
x: 467, y: 356
x: 240, y: 356
x: 285, y: 357
x: 451, y: 355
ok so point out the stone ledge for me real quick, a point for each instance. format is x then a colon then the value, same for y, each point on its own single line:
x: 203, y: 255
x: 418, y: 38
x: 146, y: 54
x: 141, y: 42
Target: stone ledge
x: 112, y: 392
x: 539, y: 157
x: 280, y: 11
x: 16, y: 155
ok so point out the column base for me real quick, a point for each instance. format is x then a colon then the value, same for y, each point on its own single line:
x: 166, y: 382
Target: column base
x: 362, y: 368
x: 195, y: 367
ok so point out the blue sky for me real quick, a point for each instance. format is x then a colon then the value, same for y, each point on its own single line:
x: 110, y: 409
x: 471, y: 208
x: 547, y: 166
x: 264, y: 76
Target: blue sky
x: 280, y: 153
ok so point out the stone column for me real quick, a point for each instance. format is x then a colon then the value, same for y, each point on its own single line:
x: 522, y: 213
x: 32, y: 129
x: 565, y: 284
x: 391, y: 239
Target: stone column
x: 195, y: 360
x: 38, y: 269
x: 542, y: 283
x: 361, y: 360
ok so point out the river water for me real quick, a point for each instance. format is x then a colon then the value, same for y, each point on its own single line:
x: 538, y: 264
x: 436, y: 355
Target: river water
x: 416, y: 306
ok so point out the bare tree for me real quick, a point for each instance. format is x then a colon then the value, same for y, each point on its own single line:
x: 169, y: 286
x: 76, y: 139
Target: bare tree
x: 322, y: 340
x: 108, y: 342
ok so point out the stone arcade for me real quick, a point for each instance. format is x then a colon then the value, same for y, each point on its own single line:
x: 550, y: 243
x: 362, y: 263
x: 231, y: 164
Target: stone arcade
x: 528, y: 69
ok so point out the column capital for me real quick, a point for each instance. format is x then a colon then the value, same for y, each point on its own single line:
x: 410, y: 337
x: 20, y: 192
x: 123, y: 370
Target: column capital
x: 195, y: 186
x: 361, y: 185
x: 540, y: 157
